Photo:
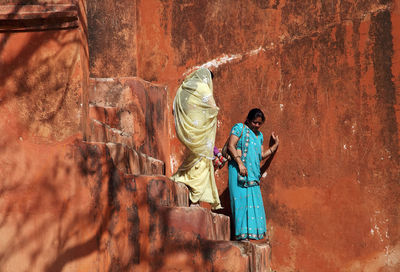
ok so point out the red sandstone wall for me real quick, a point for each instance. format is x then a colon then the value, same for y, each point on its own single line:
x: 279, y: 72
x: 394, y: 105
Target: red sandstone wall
x: 43, y: 72
x: 326, y: 74
x: 112, y: 38
x: 45, y: 182
x: 64, y: 203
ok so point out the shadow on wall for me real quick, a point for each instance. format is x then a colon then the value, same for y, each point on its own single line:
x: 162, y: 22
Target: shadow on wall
x: 103, y: 181
x: 61, y: 203
x: 67, y: 206
x: 44, y: 196
x: 41, y: 73
x: 59, y: 212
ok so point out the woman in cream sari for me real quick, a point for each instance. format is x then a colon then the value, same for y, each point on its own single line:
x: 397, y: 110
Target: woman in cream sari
x: 195, y: 114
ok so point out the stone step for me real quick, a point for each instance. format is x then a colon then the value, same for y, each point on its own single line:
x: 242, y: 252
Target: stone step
x: 170, y: 236
x: 168, y: 207
x: 190, y: 223
x: 260, y: 257
x: 113, y: 124
x: 101, y: 132
x: 154, y: 230
x: 232, y: 256
x: 136, y: 108
x: 129, y: 161
x: 112, y: 116
x: 157, y: 190
x: 208, y: 255
x: 122, y: 91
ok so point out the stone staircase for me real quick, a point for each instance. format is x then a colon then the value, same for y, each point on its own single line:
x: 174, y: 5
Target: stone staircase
x: 164, y: 233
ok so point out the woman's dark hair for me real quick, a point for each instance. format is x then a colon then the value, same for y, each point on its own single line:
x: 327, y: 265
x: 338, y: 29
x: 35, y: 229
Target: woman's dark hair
x: 212, y: 75
x: 255, y: 113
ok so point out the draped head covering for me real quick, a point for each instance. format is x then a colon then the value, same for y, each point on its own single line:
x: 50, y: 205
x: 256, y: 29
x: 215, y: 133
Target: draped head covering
x: 195, y: 113
x: 195, y: 116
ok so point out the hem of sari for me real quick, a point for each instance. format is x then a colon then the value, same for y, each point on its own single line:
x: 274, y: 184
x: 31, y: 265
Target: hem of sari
x: 215, y: 205
x: 250, y: 236
x: 194, y: 198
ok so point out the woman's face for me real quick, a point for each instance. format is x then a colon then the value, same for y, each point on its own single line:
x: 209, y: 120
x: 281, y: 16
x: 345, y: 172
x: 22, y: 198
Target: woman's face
x: 255, y: 124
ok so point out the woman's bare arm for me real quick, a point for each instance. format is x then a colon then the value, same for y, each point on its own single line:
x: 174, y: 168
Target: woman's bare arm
x: 233, y: 140
x: 272, y: 149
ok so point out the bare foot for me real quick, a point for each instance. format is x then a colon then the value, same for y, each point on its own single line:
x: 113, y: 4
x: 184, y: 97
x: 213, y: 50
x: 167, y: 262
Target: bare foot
x: 195, y: 204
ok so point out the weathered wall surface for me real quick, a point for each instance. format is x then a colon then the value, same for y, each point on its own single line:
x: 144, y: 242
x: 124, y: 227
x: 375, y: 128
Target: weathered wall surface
x: 326, y: 74
x: 44, y: 200
x: 64, y: 202
x: 112, y: 38
x: 43, y: 70
x: 55, y: 206
x: 133, y: 106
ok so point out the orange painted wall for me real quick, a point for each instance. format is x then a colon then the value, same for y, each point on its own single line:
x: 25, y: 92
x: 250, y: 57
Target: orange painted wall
x: 112, y: 38
x: 46, y: 184
x: 326, y: 75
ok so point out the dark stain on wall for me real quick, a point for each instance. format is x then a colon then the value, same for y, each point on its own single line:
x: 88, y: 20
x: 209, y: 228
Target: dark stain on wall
x: 157, y: 226
x: 165, y: 14
x: 88, y: 158
x: 114, y: 183
x: 355, y: 46
x: 188, y: 20
x: 382, y: 57
x: 112, y: 38
x: 134, y: 220
x: 266, y: 4
x: 152, y: 209
x: 150, y: 111
x: 115, y: 265
x: 381, y: 34
x: 206, y: 250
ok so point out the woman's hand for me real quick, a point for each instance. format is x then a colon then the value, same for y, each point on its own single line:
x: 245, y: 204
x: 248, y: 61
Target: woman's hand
x: 272, y: 149
x: 276, y: 139
x: 242, y: 168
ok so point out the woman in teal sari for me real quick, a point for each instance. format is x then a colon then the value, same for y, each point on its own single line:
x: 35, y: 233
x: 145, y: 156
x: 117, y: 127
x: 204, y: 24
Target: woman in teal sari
x: 246, y: 150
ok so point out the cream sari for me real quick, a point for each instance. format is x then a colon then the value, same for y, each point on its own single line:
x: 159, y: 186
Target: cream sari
x: 195, y: 114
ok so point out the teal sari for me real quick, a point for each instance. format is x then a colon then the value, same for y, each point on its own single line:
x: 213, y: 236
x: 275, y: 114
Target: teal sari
x: 246, y: 202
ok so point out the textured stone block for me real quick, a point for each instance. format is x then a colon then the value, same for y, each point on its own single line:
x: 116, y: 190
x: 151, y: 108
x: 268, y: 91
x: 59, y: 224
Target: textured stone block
x: 129, y: 161
x: 112, y: 37
x: 106, y: 115
x: 140, y: 111
x: 101, y: 132
x: 260, y: 257
x: 157, y: 190
x: 190, y: 223
x: 200, y: 255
